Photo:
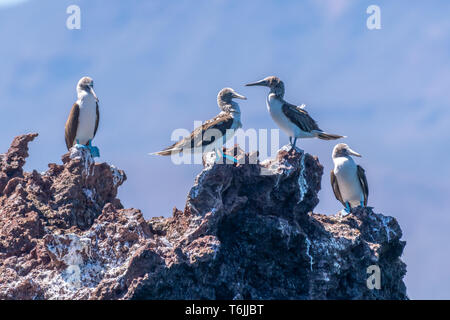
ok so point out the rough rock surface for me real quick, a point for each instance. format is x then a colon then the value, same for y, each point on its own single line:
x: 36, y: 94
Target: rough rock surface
x: 247, y: 232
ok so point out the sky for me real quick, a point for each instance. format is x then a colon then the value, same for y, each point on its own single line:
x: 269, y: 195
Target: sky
x: 158, y: 66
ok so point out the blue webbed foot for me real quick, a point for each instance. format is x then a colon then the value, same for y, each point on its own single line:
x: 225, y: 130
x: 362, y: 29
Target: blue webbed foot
x: 78, y: 145
x: 220, y: 155
x: 230, y: 157
x: 346, y: 210
x: 293, y: 143
x: 95, y: 152
x: 361, y: 201
x: 347, y: 207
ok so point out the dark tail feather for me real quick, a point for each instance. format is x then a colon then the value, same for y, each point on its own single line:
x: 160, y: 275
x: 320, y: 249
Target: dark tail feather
x: 166, y: 152
x: 162, y: 153
x: 329, y: 136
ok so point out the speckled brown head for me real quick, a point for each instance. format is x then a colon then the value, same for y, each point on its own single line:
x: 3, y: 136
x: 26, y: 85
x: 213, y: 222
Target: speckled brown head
x: 343, y: 150
x: 86, y: 84
x: 225, y: 99
x: 274, y: 83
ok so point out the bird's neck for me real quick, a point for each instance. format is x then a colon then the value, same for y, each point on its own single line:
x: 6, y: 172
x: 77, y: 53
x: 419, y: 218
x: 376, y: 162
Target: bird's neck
x: 278, y: 90
x: 272, y: 96
x: 236, y: 115
x: 342, y: 159
x: 230, y: 107
x: 84, y: 95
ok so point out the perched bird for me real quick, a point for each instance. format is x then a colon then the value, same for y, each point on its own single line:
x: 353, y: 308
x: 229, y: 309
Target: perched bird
x: 82, y: 124
x: 215, y: 132
x: 348, y: 179
x: 293, y: 120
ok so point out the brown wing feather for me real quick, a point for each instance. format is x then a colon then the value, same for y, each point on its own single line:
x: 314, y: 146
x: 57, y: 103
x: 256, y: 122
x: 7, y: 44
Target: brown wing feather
x: 96, y: 120
x: 364, y: 185
x: 300, y: 117
x: 72, y: 125
x: 220, y: 123
x: 335, y: 186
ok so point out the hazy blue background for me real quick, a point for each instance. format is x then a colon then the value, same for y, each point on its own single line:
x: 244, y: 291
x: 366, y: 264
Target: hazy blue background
x: 158, y: 65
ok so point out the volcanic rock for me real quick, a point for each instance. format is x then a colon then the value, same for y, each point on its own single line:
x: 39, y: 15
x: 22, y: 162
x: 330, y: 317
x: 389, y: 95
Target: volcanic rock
x: 247, y: 231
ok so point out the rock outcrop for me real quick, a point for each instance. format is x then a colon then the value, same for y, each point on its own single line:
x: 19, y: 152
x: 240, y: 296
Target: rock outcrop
x: 247, y: 231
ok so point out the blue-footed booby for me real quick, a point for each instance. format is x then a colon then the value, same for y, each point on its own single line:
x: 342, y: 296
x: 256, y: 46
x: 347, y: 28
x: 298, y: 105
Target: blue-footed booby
x: 82, y: 124
x: 348, y: 179
x: 215, y: 132
x: 293, y: 120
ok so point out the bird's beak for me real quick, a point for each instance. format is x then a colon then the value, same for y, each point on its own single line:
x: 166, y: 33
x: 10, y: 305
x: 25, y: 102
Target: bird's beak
x: 354, y: 153
x: 91, y: 88
x: 258, y: 83
x: 238, y: 96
